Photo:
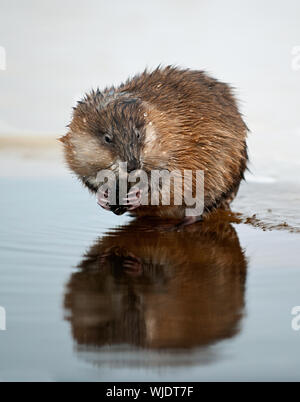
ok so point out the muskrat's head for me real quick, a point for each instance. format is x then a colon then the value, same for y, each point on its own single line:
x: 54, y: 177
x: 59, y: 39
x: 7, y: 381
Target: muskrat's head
x: 106, y: 129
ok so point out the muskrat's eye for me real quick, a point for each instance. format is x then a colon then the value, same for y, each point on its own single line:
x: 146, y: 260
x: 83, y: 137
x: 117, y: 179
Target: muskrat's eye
x: 107, y: 139
x: 137, y: 132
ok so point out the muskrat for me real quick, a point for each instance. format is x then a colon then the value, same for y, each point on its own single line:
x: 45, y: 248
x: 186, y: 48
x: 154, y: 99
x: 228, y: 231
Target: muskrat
x: 169, y: 119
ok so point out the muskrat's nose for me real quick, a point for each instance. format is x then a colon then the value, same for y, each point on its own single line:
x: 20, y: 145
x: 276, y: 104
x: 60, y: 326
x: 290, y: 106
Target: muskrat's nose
x: 132, y: 164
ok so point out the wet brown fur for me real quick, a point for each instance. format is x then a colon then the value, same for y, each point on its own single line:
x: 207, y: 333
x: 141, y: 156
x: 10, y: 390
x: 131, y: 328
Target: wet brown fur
x: 171, y: 119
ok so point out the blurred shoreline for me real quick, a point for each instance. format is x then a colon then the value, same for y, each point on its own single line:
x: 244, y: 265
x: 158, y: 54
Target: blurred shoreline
x: 31, y: 156
x: 266, y: 202
x: 30, y: 141
x: 36, y: 155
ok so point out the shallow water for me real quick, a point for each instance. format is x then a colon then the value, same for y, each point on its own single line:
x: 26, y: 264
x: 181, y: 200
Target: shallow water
x: 92, y: 296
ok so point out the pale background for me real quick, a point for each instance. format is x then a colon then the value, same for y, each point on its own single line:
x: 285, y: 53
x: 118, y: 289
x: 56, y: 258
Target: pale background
x: 56, y: 50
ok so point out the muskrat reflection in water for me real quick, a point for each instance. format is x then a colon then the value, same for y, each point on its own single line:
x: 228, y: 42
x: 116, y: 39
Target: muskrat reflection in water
x: 159, y: 289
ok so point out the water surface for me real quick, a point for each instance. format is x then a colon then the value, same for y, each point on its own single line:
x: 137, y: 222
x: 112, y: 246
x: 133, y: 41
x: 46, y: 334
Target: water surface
x: 92, y: 296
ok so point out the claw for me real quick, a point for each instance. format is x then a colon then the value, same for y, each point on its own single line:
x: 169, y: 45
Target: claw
x: 105, y: 206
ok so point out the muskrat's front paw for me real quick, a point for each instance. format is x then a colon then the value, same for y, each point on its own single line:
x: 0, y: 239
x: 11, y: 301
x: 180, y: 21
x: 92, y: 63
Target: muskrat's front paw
x: 130, y: 202
x: 133, y: 199
x: 102, y: 199
x: 132, y: 265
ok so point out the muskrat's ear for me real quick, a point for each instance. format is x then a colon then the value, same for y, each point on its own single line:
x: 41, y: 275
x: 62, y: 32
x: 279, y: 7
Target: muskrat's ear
x: 64, y: 139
